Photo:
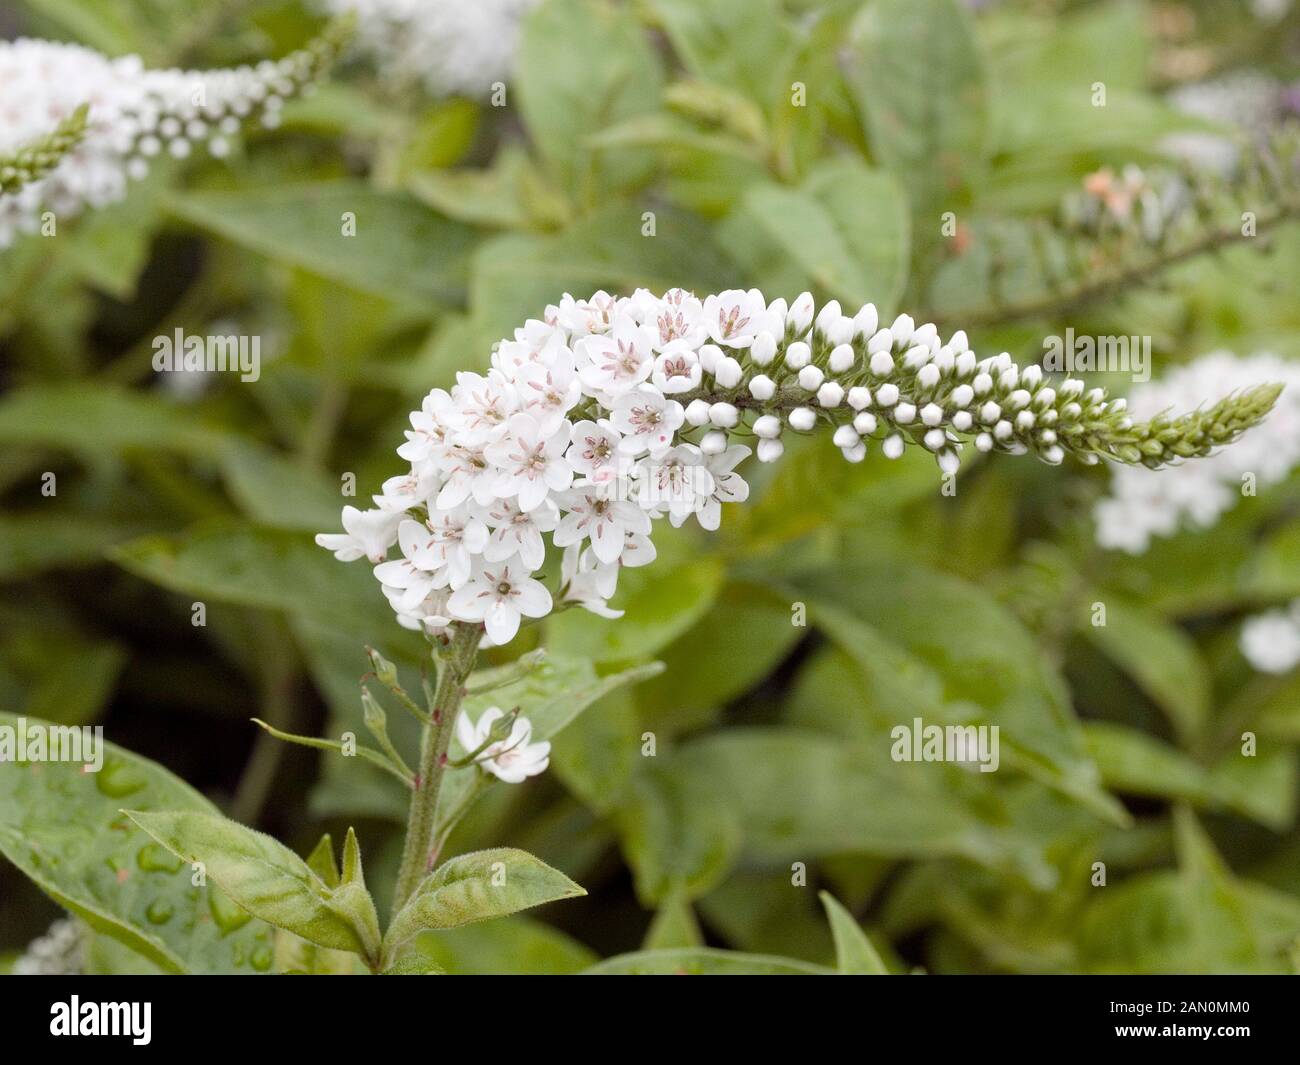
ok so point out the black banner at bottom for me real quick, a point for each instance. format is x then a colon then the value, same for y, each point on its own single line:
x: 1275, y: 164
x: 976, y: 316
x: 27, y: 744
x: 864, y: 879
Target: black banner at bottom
x: 219, y: 1013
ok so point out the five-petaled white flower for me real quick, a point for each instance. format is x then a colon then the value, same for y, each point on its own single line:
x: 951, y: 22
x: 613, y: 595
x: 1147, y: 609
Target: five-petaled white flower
x: 513, y: 759
x: 500, y: 595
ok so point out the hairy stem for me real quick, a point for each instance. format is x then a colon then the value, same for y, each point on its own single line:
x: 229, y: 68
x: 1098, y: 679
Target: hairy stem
x: 455, y: 662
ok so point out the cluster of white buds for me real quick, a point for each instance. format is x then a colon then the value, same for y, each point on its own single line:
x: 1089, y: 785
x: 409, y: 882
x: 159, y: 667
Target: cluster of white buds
x: 444, y: 47
x: 1142, y: 505
x: 133, y: 115
x: 1271, y: 641
x: 610, y: 413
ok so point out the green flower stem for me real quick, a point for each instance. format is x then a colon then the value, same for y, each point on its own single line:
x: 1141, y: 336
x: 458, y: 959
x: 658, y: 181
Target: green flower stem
x: 455, y: 661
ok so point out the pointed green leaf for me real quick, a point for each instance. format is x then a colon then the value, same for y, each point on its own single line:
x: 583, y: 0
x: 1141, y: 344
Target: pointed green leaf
x: 476, y: 887
x: 854, y: 954
x: 259, y: 873
x: 64, y: 829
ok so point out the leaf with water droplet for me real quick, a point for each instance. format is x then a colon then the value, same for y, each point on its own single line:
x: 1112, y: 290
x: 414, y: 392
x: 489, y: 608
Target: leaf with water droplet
x: 63, y: 827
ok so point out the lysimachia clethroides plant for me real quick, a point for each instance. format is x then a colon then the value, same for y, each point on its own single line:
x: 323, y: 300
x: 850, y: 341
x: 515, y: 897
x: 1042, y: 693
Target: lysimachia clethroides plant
x: 529, y: 487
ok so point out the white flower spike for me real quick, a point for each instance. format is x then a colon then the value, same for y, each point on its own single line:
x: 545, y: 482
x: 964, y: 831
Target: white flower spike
x: 581, y: 432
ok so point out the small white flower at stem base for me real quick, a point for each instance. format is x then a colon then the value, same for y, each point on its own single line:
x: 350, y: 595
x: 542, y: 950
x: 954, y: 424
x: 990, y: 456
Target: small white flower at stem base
x: 513, y: 759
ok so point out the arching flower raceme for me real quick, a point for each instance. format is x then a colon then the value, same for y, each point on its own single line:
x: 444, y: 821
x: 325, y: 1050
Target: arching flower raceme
x: 448, y: 47
x: 498, y: 464
x: 133, y: 115
x: 1271, y: 641
x: 1142, y: 505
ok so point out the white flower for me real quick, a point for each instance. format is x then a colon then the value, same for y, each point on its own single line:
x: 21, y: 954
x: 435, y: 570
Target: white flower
x: 647, y: 419
x: 618, y: 362
x: 677, y: 368
x: 519, y: 532
x: 450, y: 539
x: 448, y: 47
x: 736, y: 317
x: 513, y: 759
x: 594, y: 514
x: 1271, y: 641
x: 484, y: 404
x: 369, y: 534
x: 500, y: 595
x: 728, y: 486
x: 135, y: 114
x: 530, y: 460
x: 676, y: 482
x: 594, y: 452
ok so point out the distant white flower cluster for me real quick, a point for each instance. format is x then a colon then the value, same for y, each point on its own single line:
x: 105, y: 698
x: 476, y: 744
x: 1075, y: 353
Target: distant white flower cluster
x: 61, y: 951
x: 1144, y: 503
x: 135, y: 115
x: 449, y: 47
x: 1271, y: 641
x: 1248, y: 101
x: 611, y: 413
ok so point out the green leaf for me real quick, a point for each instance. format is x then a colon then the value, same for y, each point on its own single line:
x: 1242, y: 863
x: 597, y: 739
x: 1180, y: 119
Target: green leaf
x: 259, y: 873
x: 1161, y: 658
x: 703, y: 961
x: 1261, y: 787
x: 93, y: 419
x: 847, y: 228
x: 477, y: 887
x: 556, y: 692
x: 268, y: 568
x: 922, y: 89
x: 678, y: 840
x: 658, y: 607
x: 509, y: 946
x: 1198, y: 919
x: 584, y: 65
x: 64, y: 829
x: 274, y: 491
x: 965, y: 657
x: 33, y: 541
x: 854, y: 954
x: 674, y: 926
x: 400, y: 249
x: 749, y: 627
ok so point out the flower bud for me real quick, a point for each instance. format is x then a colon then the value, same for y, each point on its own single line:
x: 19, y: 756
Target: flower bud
x: 727, y: 372
x: 810, y: 378
x: 859, y: 397
x: 831, y: 394
x: 803, y: 419
x: 697, y: 412
x: 841, y: 359
x: 801, y: 314
x: 762, y: 388
x: 767, y: 427
x: 714, y: 443
x: 866, y: 320
x: 723, y: 415
x: 763, y: 350
x: 798, y: 355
